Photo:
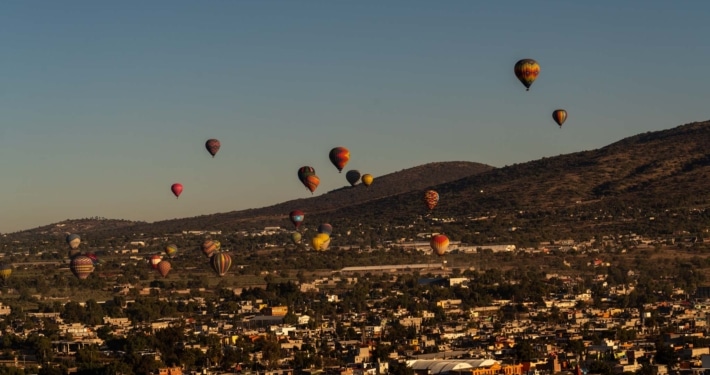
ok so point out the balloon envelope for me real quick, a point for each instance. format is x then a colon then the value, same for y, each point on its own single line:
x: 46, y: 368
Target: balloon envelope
x: 296, y: 217
x: 560, y: 116
x: 81, y: 266
x: 431, y: 199
x: 170, y: 249
x: 440, y: 244
x: 353, y: 177
x: 527, y: 71
x: 163, y: 268
x: 320, y: 242
x: 308, y: 178
x: 73, y: 240
x: 209, y: 247
x: 325, y: 228
x: 5, y: 271
x: 212, y: 145
x: 367, y: 179
x: 339, y: 156
x: 154, y: 260
x: 221, y: 263
x: 296, y: 238
x: 176, y: 189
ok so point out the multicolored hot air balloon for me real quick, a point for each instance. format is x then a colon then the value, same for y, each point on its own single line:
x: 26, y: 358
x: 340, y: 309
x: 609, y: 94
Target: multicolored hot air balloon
x: 308, y: 178
x: 81, y: 266
x: 93, y: 258
x: 154, y: 260
x: 325, y: 228
x: 431, y: 199
x: 296, y: 238
x: 5, y: 271
x: 176, y: 188
x: 353, y: 177
x: 221, y: 263
x: 320, y: 242
x: 339, y: 156
x: 163, y: 268
x: 440, y: 244
x: 527, y: 71
x: 560, y: 116
x: 296, y: 217
x: 367, y: 179
x: 73, y: 240
x: 170, y: 249
x: 212, y: 145
x: 209, y: 247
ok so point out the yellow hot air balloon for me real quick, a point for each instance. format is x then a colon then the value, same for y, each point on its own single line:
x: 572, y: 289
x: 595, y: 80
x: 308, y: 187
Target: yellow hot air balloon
x: 527, y: 71
x: 367, y: 180
x: 320, y: 242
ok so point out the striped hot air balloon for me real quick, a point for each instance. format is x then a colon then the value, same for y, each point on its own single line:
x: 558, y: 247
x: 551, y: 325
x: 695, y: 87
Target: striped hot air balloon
x: 560, y: 116
x: 221, y: 263
x: 209, y: 247
x: 81, y: 266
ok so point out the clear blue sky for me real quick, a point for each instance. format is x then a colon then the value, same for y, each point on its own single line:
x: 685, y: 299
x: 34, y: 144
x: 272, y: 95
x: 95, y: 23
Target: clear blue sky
x: 104, y: 104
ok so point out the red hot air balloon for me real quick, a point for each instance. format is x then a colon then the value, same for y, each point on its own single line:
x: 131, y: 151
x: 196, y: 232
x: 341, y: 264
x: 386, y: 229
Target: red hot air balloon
x: 339, y: 156
x: 296, y: 217
x: 212, y: 145
x: 163, y: 268
x: 81, y: 266
x: 440, y: 244
x: 431, y: 198
x: 176, y: 189
x: 154, y: 260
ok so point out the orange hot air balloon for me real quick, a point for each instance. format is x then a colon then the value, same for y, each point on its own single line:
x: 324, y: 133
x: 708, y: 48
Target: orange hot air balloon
x: 163, y: 268
x: 440, y: 244
x: 339, y: 156
x: 367, y: 179
x: 176, y: 189
x: 560, y: 116
x: 431, y: 199
x: 527, y: 71
x: 311, y: 182
x: 210, y: 246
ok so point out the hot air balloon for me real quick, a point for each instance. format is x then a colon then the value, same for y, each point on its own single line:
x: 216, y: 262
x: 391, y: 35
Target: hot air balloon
x: 210, y: 246
x: 73, y: 240
x: 308, y: 178
x: 560, y: 116
x: 431, y: 198
x: 176, y: 189
x: 170, y: 249
x: 221, y: 263
x: 325, y: 228
x: 163, y: 268
x: 5, y: 271
x: 296, y: 217
x: 81, y: 266
x: 367, y: 179
x: 93, y: 258
x: 353, y: 177
x: 296, y: 238
x: 320, y: 242
x: 212, y: 145
x: 527, y: 71
x: 339, y: 156
x: 440, y: 244
x: 154, y: 260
